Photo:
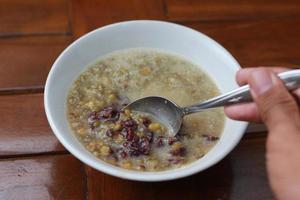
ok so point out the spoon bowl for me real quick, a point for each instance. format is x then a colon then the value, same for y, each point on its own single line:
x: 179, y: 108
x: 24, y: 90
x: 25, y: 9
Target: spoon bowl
x: 166, y: 111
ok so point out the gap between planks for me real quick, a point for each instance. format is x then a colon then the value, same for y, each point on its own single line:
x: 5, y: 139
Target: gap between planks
x: 33, y: 155
x: 22, y: 90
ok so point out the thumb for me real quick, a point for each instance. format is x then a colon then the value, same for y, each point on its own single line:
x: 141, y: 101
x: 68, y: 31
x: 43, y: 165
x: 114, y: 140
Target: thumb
x: 275, y: 104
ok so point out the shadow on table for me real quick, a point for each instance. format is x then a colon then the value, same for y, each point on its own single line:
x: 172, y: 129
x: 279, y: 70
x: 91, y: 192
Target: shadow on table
x: 213, y: 183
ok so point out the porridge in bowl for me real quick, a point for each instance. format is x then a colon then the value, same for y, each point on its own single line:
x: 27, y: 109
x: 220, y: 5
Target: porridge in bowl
x: 138, y: 141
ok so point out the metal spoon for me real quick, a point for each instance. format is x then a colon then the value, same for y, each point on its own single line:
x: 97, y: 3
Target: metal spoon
x: 171, y: 115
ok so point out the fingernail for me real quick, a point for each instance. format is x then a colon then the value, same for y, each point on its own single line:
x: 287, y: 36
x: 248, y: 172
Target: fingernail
x: 261, y: 82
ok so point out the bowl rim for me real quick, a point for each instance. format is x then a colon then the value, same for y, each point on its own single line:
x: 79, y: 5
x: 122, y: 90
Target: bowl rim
x: 120, y: 172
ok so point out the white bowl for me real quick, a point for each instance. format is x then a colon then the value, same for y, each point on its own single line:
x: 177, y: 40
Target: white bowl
x: 195, y: 46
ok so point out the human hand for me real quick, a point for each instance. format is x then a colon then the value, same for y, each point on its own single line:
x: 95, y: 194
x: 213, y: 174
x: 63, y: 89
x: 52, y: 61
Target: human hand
x: 279, y: 110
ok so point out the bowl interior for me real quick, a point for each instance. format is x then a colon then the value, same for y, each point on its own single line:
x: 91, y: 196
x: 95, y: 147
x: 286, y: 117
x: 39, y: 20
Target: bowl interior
x: 198, y: 48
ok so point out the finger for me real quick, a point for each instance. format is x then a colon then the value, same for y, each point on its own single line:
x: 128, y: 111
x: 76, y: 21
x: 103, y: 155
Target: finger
x: 276, y: 106
x: 243, y: 112
x: 296, y: 95
x: 243, y: 75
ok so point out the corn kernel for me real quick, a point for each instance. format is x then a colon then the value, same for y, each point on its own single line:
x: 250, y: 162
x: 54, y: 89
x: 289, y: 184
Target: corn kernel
x: 127, y: 164
x: 158, y: 61
x: 91, y: 146
x: 154, y: 127
x: 176, y: 146
x: 106, y: 81
x: 99, y: 143
x: 140, y: 134
x: 112, y: 161
x: 90, y: 105
x: 95, y: 153
x: 96, y: 124
x: 118, y: 139
x: 104, y: 150
x: 100, y: 88
x: 82, y: 132
x: 123, y: 70
x: 117, y: 127
x: 152, y: 163
x: 100, y: 104
x: 145, y: 71
x: 111, y: 97
x: 127, y: 112
x: 115, y: 74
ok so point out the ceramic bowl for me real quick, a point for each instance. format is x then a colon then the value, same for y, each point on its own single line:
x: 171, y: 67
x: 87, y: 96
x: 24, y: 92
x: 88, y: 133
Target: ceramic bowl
x: 193, y: 45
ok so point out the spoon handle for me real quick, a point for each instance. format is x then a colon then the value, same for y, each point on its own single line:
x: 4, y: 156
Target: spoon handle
x: 242, y: 94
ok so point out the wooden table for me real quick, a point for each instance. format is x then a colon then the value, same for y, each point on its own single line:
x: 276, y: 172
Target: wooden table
x: 34, y: 165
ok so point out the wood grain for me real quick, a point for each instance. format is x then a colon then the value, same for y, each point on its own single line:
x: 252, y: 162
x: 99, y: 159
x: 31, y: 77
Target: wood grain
x: 18, y: 17
x: 257, y: 43
x: 25, y: 61
x: 24, y: 128
x: 207, y: 10
x: 55, y: 177
x: 241, y: 175
x: 270, y: 42
x: 92, y: 14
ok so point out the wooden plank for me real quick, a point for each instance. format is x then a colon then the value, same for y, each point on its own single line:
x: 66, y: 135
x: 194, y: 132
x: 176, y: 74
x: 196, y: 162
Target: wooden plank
x: 18, y: 17
x: 257, y: 43
x: 93, y: 14
x: 24, y: 128
x: 25, y: 61
x: 192, y: 10
x: 253, y: 43
x: 241, y: 175
x: 47, y: 177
